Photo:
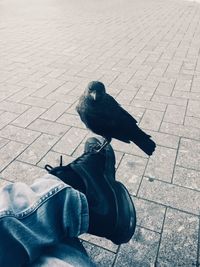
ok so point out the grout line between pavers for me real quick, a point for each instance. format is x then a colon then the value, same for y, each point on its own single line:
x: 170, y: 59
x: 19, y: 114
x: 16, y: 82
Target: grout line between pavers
x: 198, y: 246
x: 143, y: 175
x: 116, y: 255
x: 161, y: 233
x: 177, y: 151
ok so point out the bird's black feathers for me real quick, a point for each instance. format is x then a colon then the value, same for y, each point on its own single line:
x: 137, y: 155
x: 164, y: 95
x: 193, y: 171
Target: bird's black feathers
x: 102, y: 114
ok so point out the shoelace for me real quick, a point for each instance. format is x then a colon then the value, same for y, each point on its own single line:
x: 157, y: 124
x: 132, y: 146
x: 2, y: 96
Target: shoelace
x: 49, y: 167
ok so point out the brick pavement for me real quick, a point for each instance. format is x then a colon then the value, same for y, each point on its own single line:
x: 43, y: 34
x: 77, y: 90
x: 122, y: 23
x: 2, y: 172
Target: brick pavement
x: 147, y: 53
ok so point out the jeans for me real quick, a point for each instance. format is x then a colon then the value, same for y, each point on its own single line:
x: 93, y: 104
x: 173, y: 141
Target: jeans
x: 39, y: 224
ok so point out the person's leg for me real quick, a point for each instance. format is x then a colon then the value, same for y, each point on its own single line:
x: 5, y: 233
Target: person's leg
x: 68, y: 253
x: 35, y: 217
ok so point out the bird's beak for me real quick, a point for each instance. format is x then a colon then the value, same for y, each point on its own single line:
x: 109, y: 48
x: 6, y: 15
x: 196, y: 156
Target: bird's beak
x: 93, y: 95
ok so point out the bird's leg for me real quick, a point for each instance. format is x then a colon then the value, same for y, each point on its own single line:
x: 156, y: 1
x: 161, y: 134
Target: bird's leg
x: 104, y: 144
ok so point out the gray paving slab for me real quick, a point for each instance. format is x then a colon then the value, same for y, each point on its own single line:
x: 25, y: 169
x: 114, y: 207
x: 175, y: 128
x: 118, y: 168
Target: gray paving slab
x: 141, y: 251
x: 189, y: 154
x: 130, y: 172
x: 38, y: 149
x: 161, y: 165
x: 70, y: 141
x: 179, y: 241
x: 187, y: 178
x: 9, y: 152
x: 170, y: 195
x: 151, y: 120
x: 99, y: 255
x: 49, y: 127
x: 22, y: 172
x: 149, y: 215
x: 19, y: 134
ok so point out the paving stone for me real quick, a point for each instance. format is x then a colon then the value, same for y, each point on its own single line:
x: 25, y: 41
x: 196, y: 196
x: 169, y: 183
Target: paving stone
x: 99, y: 241
x: 174, y: 114
x: 28, y: 116
x: 166, y: 140
x: 6, y: 118
x: 18, y: 96
x: 55, y: 73
x: 187, y: 178
x: 47, y: 89
x: 189, y: 154
x: 70, y: 141
x: 149, y: 104
x: 48, y: 127
x: 151, y: 120
x: 3, y: 142
x: 99, y: 256
x: 54, y: 112
x: 9, y: 152
x: 4, y: 87
x: 142, y: 73
x: 179, y: 240
x: 66, y: 88
x: 71, y: 120
x: 183, y: 85
x: 22, y: 172
x: 72, y: 108
x: 157, y: 72
x: 149, y: 214
x: 13, y: 107
x: 125, y: 96
x: 19, y: 134
x: 161, y: 164
x: 38, y: 149
x: 4, y: 95
x: 192, y: 121
x: 170, y: 195
x: 130, y: 172
x: 38, y: 102
x: 62, y: 98
x: 187, y: 95
x: 180, y: 130
x: 164, y: 89
x: 170, y: 100
x: 193, y: 108
x: 145, y: 93
x: 140, y: 251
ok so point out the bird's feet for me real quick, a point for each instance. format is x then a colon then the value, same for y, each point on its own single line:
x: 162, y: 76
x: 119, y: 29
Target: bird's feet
x: 99, y: 148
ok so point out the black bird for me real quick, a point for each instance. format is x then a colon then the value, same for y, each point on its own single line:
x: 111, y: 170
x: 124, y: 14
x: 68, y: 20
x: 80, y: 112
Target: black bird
x: 104, y: 116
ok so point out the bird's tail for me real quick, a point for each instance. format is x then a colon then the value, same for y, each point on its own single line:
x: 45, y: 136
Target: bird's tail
x: 143, y: 141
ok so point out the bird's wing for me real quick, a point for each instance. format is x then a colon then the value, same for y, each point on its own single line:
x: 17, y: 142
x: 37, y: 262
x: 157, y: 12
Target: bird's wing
x: 109, y: 119
x: 115, y: 107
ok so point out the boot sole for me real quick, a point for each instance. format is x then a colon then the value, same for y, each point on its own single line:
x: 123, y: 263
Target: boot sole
x: 126, y: 221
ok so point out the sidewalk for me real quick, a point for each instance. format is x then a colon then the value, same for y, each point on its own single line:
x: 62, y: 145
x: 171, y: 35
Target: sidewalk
x: 147, y: 54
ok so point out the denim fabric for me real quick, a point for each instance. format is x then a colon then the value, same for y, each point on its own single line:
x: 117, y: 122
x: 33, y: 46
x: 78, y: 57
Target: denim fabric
x: 67, y: 254
x: 37, y: 219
